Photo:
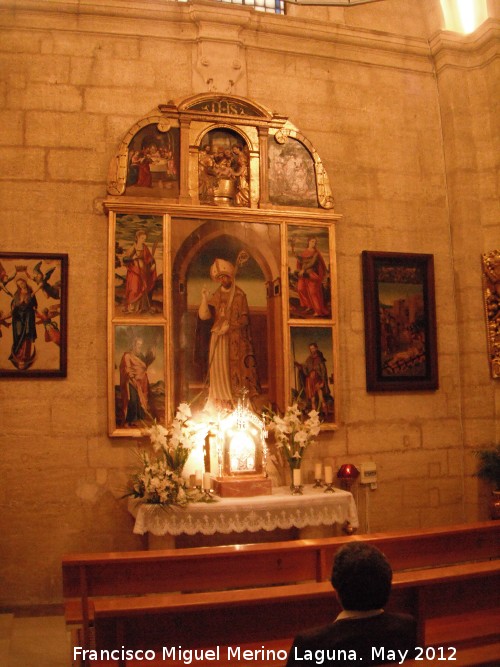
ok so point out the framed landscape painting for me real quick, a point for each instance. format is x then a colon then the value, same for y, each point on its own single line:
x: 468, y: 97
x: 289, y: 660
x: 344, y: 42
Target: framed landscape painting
x: 400, y: 321
x: 33, y: 315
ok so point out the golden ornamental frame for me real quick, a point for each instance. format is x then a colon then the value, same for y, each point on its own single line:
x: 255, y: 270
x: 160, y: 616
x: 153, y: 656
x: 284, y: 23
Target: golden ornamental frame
x: 491, y: 296
x: 192, y: 229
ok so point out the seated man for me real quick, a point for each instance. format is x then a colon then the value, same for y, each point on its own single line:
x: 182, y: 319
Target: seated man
x: 363, y: 633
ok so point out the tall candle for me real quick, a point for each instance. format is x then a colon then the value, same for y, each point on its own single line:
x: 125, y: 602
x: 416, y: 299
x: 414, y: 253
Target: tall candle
x: 198, y: 478
x: 207, y: 481
x: 296, y: 476
x: 328, y: 474
x: 317, y: 470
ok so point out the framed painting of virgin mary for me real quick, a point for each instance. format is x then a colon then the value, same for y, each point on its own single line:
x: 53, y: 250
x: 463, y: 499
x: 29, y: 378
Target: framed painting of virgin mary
x: 33, y: 315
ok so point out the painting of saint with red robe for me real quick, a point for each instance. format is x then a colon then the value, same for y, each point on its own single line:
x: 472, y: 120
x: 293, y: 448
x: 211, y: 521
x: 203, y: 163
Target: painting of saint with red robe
x: 309, y: 276
x: 138, y: 257
x: 138, y: 378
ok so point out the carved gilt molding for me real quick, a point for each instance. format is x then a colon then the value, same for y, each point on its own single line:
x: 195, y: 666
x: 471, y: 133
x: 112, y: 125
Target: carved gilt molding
x: 491, y: 292
x: 213, y: 149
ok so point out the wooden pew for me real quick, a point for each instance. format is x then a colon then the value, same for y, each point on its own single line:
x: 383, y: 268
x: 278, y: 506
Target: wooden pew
x: 437, y: 597
x: 88, y: 577
x: 486, y: 655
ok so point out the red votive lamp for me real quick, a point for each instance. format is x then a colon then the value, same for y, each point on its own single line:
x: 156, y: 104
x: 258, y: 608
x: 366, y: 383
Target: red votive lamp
x: 347, y: 473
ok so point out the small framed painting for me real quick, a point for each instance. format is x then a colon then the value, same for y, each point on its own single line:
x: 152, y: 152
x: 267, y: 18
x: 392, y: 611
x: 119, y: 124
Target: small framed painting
x: 138, y: 258
x: 137, y: 391
x: 309, y: 272
x: 312, y: 371
x: 33, y: 315
x: 400, y: 321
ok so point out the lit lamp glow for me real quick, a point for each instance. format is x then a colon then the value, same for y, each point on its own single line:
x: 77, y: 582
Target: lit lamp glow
x: 347, y: 473
x: 241, y: 453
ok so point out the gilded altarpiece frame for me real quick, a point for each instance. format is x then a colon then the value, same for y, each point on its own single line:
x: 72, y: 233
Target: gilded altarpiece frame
x: 208, y: 237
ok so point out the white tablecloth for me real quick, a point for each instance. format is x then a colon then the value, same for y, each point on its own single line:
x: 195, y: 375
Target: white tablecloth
x: 226, y: 515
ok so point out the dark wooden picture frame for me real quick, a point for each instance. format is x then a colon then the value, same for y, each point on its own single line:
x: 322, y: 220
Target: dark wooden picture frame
x: 400, y: 321
x: 33, y: 314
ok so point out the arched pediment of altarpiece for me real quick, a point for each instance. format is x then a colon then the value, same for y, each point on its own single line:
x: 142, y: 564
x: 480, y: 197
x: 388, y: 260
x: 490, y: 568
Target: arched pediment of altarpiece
x: 219, y: 177
x: 219, y: 150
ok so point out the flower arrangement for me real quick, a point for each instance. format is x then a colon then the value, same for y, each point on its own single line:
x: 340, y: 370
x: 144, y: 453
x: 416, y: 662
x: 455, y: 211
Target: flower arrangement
x: 293, y: 433
x: 160, y: 481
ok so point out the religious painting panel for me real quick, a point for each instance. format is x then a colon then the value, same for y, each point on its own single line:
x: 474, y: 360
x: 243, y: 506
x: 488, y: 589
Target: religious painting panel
x: 312, y: 371
x: 491, y: 292
x: 138, y: 247
x: 292, y: 176
x: 137, y: 396
x: 227, y: 321
x: 223, y: 169
x: 33, y: 315
x: 153, y: 162
x: 400, y: 321
x: 309, y: 273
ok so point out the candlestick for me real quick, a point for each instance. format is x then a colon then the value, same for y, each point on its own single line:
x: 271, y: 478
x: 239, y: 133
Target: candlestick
x: 329, y: 480
x: 296, y: 482
x: 207, y: 481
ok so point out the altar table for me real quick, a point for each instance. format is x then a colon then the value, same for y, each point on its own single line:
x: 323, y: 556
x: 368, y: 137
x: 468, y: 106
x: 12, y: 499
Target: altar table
x: 280, y: 510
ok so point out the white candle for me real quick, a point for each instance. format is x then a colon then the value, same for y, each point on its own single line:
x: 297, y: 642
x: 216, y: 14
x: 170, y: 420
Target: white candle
x: 207, y: 481
x: 197, y: 478
x: 317, y: 470
x: 328, y: 474
x: 296, y: 476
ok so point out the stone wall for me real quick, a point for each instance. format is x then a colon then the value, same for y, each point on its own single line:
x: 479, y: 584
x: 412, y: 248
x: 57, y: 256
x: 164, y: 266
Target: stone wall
x: 405, y: 126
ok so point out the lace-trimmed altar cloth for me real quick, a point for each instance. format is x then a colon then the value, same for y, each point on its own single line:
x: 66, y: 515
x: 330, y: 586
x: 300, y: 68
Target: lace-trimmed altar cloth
x: 226, y: 515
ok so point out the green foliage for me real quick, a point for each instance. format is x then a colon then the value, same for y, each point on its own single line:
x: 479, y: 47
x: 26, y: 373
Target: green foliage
x: 489, y: 465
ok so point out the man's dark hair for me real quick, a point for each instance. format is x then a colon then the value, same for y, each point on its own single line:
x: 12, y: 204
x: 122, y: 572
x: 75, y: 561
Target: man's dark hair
x: 361, y: 576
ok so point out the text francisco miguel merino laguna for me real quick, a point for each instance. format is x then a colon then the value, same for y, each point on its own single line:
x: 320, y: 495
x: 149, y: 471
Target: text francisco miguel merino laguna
x: 228, y: 653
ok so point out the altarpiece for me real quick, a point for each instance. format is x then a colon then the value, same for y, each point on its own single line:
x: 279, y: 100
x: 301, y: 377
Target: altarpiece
x: 219, y: 211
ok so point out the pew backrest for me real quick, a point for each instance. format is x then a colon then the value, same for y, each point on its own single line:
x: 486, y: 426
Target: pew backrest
x: 89, y: 577
x: 253, y: 616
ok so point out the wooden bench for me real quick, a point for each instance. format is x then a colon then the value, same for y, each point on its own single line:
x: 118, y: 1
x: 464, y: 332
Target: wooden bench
x: 442, y: 599
x: 89, y: 577
x: 486, y: 655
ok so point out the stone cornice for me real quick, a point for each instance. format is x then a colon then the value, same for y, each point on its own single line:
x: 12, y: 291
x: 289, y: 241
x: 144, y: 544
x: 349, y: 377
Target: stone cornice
x: 451, y: 49
x: 206, y: 20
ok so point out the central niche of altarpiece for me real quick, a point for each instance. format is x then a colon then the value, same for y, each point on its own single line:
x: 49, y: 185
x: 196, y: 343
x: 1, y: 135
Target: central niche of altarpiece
x: 222, y: 278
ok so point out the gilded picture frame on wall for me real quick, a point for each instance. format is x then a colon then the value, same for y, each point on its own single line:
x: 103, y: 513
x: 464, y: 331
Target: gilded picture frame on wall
x: 400, y: 321
x: 33, y: 315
